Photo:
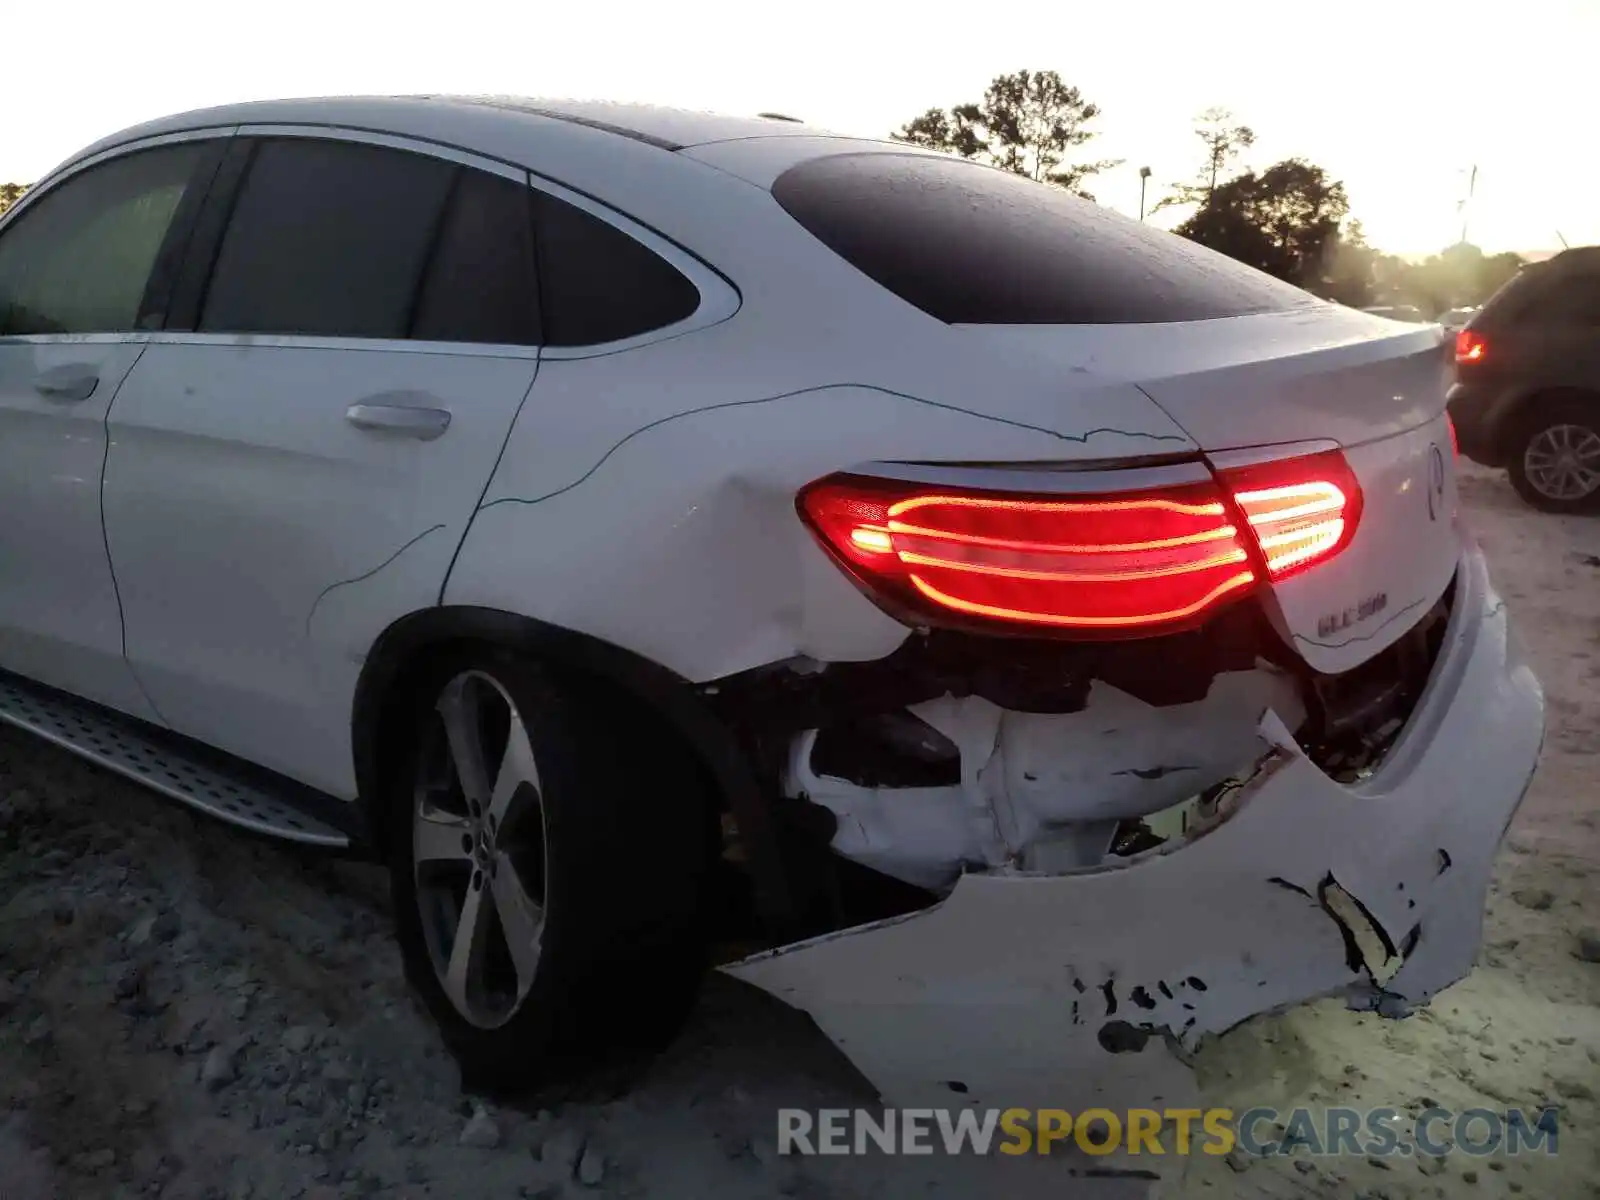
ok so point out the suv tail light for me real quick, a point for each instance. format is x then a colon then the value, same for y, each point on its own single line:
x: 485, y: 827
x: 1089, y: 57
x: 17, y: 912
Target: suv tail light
x: 1118, y: 564
x: 1470, y: 346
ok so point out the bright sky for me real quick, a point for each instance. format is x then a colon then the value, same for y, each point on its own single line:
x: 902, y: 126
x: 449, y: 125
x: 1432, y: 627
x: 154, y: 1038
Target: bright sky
x: 1398, y: 98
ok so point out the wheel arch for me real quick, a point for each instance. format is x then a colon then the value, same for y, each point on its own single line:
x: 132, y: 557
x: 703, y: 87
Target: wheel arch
x: 1515, y: 408
x: 414, y: 640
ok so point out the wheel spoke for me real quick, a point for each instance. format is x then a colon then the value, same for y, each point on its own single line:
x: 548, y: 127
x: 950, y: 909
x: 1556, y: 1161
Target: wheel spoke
x: 516, y: 768
x: 440, y: 836
x: 521, y: 919
x: 466, y: 952
x: 458, y: 707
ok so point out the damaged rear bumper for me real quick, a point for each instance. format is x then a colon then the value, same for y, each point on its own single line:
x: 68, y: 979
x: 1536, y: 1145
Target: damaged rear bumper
x: 1029, y: 989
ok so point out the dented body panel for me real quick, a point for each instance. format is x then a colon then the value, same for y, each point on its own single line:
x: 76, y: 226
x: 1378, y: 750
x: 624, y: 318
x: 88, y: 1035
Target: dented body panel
x: 1029, y: 989
x: 1046, y: 791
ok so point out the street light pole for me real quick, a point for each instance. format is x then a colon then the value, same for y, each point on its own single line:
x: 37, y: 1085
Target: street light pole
x: 1144, y: 175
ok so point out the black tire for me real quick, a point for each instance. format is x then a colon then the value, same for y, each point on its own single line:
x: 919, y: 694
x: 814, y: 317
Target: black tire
x: 625, y: 818
x: 1543, y: 414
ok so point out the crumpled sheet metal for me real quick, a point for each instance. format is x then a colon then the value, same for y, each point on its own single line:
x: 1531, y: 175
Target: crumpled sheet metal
x: 1085, y: 988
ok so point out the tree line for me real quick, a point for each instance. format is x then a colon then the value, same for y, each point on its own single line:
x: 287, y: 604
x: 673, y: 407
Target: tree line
x: 1290, y: 219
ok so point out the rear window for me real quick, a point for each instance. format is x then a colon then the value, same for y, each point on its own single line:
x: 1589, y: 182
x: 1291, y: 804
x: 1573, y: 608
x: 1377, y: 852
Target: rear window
x: 1561, y: 292
x: 975, y: 246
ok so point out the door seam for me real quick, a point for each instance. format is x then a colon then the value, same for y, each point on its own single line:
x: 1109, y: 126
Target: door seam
x: 488, y: 481
x: 105, y: 537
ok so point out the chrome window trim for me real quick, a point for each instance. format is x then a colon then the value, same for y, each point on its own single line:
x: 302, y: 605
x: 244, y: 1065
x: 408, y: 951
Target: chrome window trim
x: 341, y: 133
x: 75, y: 339
x: 719, y: 300
x: 292, y: 341
x: 70, y: 170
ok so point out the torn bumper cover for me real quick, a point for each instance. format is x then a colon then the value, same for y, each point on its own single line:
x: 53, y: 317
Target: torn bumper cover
x: 1028, y: 989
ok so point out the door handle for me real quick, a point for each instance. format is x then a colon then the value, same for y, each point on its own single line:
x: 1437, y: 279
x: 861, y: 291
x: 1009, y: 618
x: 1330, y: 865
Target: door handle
x: 406, y: 420
x: 67, y: 384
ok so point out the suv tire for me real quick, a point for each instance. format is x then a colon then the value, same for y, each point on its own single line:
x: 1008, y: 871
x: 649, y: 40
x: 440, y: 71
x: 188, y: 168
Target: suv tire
x: 1553, y: 454
x: 586, y: 824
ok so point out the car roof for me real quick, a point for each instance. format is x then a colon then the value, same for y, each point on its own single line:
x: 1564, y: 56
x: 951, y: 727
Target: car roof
x: 660, y: 126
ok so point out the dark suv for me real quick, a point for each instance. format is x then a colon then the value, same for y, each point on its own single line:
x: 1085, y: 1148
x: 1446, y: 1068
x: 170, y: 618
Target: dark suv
x: 1527, y: 392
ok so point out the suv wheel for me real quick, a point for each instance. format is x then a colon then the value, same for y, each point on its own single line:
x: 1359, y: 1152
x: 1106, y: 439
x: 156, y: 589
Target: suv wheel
x: 1555, y: 457
x: 548, y: 855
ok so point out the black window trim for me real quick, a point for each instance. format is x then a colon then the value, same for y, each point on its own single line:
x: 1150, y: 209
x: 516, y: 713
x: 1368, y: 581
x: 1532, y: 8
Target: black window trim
x: 165, y: 270
x: 719, y: 297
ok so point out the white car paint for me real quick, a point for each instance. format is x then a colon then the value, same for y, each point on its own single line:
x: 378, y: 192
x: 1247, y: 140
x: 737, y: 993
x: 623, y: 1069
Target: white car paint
x: 59, y: 621
x: 1060, y: 990
x: 643, y: 493
x: 248, y: 518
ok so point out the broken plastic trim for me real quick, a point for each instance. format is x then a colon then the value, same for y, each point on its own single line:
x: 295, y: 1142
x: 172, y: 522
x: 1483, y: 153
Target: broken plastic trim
x: 865, y: 734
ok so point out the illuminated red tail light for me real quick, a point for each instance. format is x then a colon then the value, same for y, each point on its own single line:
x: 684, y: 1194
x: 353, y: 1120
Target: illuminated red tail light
x: 1120, y: 564
x: 1470, y: 346
x: 1302, y: 511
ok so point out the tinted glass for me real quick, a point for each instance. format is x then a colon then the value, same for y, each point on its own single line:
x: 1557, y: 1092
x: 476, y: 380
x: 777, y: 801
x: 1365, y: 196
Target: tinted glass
x: 971, y: 245
x: 327, y: 238
x: 480, y: 282
x: 598, y: 284
x: 1561, y: 292
x: 1570, y: 299
x: 77, y: 260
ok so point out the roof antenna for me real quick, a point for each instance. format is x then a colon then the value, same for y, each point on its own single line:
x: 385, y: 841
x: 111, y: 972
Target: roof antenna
x: 781, y: 117
x: 1562, y: 240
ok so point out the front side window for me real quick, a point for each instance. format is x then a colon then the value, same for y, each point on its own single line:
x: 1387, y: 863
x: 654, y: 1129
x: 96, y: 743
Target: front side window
x: 78, y: 259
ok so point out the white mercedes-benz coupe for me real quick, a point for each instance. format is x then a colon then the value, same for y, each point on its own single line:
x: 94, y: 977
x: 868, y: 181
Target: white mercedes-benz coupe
x: 1022, y: 639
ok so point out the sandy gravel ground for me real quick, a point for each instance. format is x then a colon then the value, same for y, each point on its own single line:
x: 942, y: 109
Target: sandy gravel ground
x: 187, y: 1012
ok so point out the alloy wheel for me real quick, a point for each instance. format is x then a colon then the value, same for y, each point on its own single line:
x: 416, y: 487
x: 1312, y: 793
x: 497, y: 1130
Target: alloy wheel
x: 479, y: 850
x: 1562, y: 462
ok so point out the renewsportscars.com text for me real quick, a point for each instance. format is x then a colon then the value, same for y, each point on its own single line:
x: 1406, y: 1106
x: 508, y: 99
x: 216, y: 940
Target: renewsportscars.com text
x: 1376, y: 1132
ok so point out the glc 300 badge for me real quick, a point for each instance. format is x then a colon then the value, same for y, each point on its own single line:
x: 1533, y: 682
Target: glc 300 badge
x: 1334, y: 622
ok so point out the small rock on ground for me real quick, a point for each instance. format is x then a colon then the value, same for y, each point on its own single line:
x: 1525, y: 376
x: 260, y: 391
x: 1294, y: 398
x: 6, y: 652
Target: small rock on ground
x: 562, y: 1150
x: 591, y: 1168
x: 480, y: 1132
x: 1537, y: 899
x: 219, y: 1069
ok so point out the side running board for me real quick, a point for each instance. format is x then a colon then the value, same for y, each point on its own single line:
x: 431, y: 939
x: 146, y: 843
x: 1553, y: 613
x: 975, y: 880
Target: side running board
x: 182, y: 770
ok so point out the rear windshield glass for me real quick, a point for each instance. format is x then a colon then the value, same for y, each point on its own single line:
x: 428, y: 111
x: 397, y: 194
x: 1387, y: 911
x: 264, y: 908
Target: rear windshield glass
x: 1564, y: 290
x: 972, y: 245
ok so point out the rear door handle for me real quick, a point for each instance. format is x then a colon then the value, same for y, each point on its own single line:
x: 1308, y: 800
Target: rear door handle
x: 404, y: 420
x: 67, y: 384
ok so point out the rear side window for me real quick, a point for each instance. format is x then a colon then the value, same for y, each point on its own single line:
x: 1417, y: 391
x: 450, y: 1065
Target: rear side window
x: 600, y: 285
x: 79, y: 258
x: 327, y: 239
x: 968, y: 244
x: 1560, y: 293
x: 479, y: 285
